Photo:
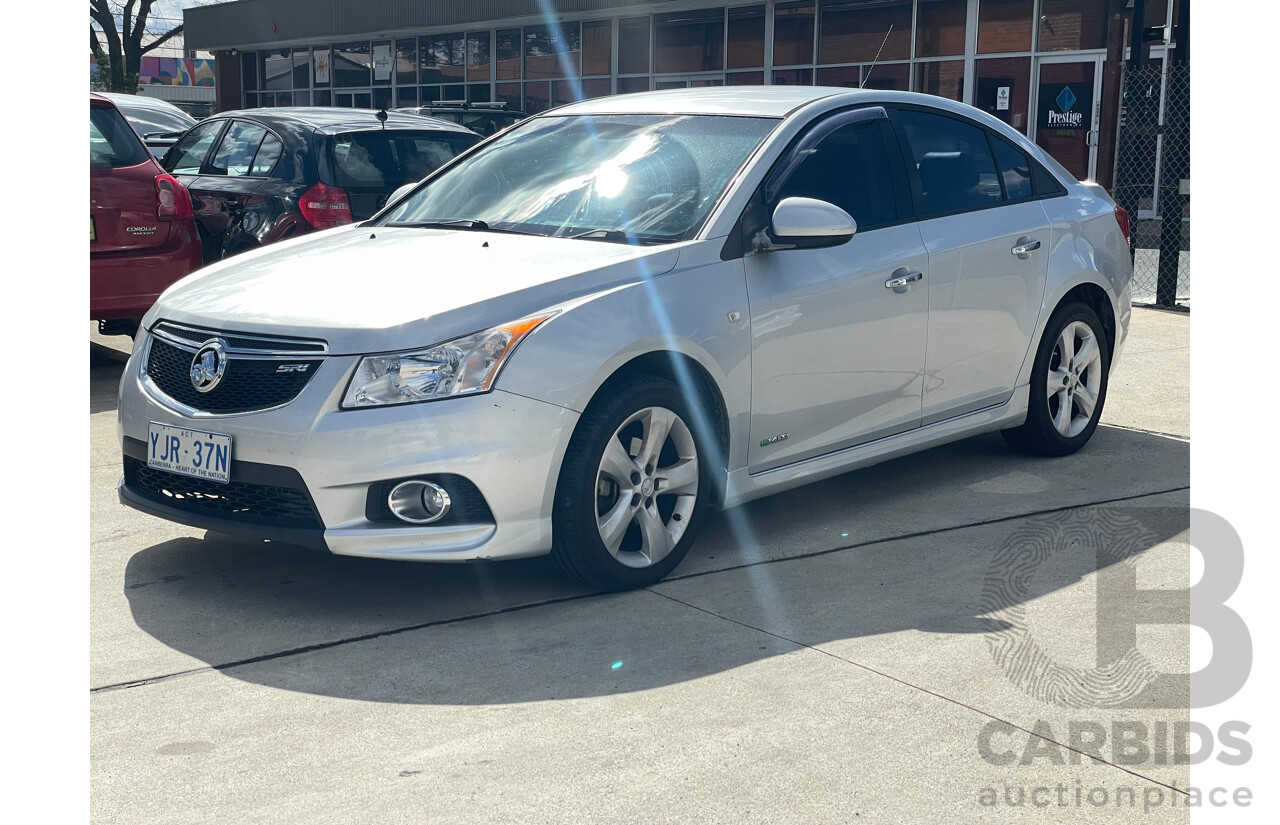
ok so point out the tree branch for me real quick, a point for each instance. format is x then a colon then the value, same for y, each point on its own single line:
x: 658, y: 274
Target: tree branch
x: 162, y: 39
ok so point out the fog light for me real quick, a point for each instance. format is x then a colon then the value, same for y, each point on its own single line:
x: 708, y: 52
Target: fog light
x: 418, y: 502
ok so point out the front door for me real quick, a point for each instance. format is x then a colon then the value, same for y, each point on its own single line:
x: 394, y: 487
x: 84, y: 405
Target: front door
x: 1068, y: 105
x: 837, y: 351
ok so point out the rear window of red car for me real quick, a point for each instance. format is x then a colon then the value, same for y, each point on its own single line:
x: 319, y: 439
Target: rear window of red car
x: 112, y: 141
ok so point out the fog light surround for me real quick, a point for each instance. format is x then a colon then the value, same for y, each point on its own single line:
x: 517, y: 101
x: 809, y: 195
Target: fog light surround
x: 418, y: 502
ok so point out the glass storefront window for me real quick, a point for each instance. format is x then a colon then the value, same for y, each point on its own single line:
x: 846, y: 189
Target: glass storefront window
x: 251, y: 98
x: 793, y: 77
x: 1073, y: 24
x: 508, y: 93
x: 352, y: 65
x: 853, y: 31
x: 597, y: 47
x: 478, y: 93
x: 248, y: 70
x: 301, y: 69
x: 1004, y: 25
x: 848, y: 77
x: 551, y: 51
x: 429, y: 94
x: 633, y: 45
x: 302, y: 98
x: 940, y: 27
x: 323, y: 98
x: 688, y: 41
x: 893, y: 76
x: 596, y: 87
x: 537, y: 97
x: 277, y: 70
x: 634, y: 84
x: 744, y: 79
x: 746, y: 37
x: 406, y: 62
x: 793, y: 33
x: 442, y: 58
x: 478, y: 56
x: 1003, y: 89
x: 508, y: 57
x: 405, y: 96
x: 944, y: 78
x: 362, y: 100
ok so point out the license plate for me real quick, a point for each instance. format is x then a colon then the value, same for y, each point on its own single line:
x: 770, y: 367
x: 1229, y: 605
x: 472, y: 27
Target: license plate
x: 93, y: 230
x: 189, y: 452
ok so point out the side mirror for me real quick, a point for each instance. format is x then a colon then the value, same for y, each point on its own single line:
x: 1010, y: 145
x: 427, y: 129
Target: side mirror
x: 401, y: 192
x: 808, y: 223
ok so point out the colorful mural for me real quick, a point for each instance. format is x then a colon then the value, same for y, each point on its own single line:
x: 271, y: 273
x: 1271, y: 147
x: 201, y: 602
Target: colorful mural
x: 174, y: 71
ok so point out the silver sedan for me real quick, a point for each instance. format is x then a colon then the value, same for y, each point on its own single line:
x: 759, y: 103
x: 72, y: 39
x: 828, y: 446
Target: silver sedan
x: 580, y: 335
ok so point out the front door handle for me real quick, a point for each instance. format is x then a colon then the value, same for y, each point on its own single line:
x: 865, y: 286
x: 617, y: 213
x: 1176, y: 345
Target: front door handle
x: 902, y: 281
x: 1025, y: 247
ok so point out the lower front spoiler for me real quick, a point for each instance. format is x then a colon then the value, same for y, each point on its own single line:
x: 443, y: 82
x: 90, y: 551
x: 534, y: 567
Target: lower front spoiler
x: 312, y: 538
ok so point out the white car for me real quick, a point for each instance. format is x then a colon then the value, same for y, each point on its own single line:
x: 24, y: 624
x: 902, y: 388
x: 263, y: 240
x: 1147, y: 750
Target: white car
x: 581, y: 334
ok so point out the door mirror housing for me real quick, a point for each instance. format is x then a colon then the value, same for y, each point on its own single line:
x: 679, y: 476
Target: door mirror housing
x: 808, y: 223
x: 401, y: 192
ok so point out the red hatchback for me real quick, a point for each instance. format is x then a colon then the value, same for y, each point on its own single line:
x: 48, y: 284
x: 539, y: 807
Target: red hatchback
x: 142, y: 234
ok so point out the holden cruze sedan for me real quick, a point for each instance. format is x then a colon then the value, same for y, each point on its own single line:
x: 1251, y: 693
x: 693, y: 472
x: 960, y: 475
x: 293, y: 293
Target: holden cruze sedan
x: 579, y: 335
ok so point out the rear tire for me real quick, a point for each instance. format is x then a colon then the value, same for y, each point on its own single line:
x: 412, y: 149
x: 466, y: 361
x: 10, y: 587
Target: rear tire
x: 1068, y: 384
x: 633, y: 487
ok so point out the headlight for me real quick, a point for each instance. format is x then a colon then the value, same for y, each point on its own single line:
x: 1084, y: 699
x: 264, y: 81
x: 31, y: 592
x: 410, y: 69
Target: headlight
x: 463, y: 366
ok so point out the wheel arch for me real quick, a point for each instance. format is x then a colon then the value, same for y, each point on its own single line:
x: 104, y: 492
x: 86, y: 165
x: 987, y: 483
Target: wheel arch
x: 700, y: 390
x: 1096, y: 298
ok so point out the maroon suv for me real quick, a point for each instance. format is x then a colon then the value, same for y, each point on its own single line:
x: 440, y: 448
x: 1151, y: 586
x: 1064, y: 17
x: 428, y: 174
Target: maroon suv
x: 142, y: 233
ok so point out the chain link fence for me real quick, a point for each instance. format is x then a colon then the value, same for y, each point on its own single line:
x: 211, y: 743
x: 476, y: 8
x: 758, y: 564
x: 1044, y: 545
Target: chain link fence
x: 1152, y: 181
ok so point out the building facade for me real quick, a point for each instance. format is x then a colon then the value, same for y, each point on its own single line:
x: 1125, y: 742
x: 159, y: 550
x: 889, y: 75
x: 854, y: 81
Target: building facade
x: 1043, y: 66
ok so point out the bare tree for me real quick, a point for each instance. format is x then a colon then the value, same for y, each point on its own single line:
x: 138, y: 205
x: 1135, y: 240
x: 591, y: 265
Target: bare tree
x: 123, y: 25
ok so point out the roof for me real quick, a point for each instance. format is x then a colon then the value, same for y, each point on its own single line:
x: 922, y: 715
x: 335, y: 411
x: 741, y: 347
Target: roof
x: 336, y: 119
x: 755, y: 101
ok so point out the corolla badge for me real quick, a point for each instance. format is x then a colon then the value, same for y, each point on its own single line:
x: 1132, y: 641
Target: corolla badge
x: 209, y: 365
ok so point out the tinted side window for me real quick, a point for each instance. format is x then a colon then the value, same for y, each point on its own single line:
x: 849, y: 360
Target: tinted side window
x: 952, y: 161
x: 850, y: 169
x: 188, y: 154
x: 268, y: 154
x: 387, y: 160
x: 1015, y: 170
x: 235, y: 153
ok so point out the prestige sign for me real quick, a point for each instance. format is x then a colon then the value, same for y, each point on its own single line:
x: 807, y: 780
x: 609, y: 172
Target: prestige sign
x: 1065, y: 105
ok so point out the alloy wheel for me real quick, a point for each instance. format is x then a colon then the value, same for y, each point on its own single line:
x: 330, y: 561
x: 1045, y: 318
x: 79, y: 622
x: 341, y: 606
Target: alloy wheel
x: 1075, y: 379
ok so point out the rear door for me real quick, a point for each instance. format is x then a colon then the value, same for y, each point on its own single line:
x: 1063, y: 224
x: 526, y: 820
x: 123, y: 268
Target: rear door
x: 122, y: 186
x: 988, y: 244
x: 372, y: 165
x: 184, y: 161
x: 230, y: 209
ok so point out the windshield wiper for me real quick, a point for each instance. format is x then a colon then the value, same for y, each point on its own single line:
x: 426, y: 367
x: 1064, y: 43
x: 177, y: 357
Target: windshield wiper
x: 617, y: 236
x: 464, y: 223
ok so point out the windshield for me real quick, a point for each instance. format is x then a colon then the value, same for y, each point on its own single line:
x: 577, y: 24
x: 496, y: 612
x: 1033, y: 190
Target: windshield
x: 639, y: 178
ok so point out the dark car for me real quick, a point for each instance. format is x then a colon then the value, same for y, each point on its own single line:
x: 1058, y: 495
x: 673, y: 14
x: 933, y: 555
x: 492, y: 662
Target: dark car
x: 142, y: 235
x: 482, y: 118
x: 262, y: 175
x: 158, y: 122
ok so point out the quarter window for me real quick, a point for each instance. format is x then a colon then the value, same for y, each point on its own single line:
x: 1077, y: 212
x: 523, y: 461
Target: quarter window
x: 850, y: 169
x: 1015, y: 171
x: 952, y: 161
x: 268, y: 154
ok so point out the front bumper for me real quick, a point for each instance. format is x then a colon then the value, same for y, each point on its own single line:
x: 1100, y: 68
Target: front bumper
x: 510, y: 447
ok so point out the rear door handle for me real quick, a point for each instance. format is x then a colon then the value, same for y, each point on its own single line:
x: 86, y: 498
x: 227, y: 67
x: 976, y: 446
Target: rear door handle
x: 1025, y: 248
x: 901, y: 281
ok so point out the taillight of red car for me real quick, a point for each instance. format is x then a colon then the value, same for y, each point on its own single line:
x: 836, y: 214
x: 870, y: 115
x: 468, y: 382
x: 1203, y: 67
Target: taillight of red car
x: 173, y: 201
x: 325, y: 207
x: 1122, y: 218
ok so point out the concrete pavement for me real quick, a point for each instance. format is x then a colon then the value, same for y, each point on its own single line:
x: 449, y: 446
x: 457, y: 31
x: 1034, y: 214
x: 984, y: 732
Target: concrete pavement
x: 851, y: 651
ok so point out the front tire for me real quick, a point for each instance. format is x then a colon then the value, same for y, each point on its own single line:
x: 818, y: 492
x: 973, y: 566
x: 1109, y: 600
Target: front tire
x: 633, y: 487
x: 1068, y: 384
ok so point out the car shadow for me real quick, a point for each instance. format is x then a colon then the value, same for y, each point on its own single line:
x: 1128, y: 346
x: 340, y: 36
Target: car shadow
x: 105, y: 368
x: 514, y: 632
